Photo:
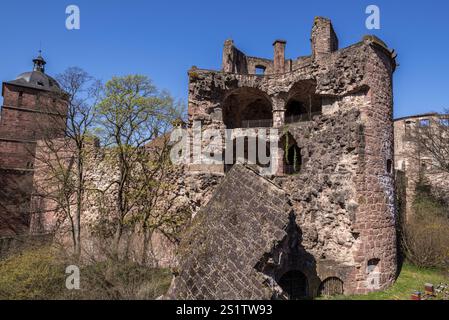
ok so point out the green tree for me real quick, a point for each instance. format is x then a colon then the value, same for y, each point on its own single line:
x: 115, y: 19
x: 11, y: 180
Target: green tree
x: 62, y: 160
x: 132, y: 113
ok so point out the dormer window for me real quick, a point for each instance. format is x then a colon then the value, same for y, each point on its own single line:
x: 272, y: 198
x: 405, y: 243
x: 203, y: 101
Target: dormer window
x: 260, y: 70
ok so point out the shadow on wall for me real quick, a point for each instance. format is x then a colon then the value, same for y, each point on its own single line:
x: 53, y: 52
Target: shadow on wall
x: 290, y: 270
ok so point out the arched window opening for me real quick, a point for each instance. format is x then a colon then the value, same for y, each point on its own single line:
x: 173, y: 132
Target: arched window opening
x: 373, y: 273
x: 332, y: 286
x: 294, y: 284
x: 373, y: 265
x: 303, y: 104
x: 293, y: 160
x: 292, y: 157
x: 247, y: 108
x: 389, y: 166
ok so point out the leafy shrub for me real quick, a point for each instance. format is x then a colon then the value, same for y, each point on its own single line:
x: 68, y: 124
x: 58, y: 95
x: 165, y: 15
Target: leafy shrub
x: 427, y: 241
x: 426, y: 233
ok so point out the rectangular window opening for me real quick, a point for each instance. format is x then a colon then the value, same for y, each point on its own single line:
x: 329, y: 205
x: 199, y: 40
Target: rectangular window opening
x: 260, y: 70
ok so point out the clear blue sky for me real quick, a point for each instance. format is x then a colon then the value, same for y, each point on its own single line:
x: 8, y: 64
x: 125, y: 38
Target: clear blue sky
x: 163, y: 39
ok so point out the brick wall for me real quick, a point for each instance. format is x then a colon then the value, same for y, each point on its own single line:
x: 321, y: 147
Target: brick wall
x: 27, y: 115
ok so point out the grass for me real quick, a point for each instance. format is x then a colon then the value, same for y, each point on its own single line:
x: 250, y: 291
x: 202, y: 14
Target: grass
x: 32, y: 274
x: 39, y: 273
x: 411, y: 279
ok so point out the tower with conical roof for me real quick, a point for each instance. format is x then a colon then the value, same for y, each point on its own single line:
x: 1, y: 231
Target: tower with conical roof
x: 34, y: 107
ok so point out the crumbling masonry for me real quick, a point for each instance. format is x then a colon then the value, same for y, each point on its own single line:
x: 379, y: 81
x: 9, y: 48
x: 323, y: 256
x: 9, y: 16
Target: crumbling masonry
x: 325, y: 222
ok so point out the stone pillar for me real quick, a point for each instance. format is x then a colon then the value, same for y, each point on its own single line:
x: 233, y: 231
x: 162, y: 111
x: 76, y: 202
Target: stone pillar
x: 324, y: 40
x: 228, y: 55
x: 234, y: 61
x: 280, y: 170
x: 279, y: 56
x: 278, y: 113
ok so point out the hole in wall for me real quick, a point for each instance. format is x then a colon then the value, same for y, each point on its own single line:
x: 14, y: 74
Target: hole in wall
x: 389, y: 166
x: 373, y: 265
x: 260, y: 70
x: 294, y: 284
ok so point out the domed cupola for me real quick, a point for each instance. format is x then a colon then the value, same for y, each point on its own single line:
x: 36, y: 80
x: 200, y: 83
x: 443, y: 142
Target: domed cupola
x: 37, y: 79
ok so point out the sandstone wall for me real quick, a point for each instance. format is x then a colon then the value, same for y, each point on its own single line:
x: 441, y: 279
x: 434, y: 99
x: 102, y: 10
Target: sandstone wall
x: 180, y: 196
x: 243, y: 222
x: 343, y: 198
x: 416, y: 163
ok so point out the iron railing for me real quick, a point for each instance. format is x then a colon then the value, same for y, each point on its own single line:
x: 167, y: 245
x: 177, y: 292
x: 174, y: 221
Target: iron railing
x: 261, y: 123
x: 301, y: 117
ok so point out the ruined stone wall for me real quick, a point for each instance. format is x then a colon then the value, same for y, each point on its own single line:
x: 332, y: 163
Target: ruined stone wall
x: 343, y: 198
x: 243, y: 222
x: 324, y: 39
x: 181, y: 194
x: 415, y: 163
x: 323, y: 195
x: 233, y: 59
x: 253, y: 62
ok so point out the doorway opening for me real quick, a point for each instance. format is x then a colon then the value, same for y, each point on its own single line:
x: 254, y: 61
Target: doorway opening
x: 294, y: 285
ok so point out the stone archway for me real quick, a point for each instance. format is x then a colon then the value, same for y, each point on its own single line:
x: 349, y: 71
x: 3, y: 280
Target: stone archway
x: 291, y: 161
x: 295, y: 285
x: 247, y: 108
x: 331, y: 286
x: 302, y: 103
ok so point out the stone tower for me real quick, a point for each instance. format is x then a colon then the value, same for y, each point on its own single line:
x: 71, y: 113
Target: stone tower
x: 34, y: 107
x: 325, y: 222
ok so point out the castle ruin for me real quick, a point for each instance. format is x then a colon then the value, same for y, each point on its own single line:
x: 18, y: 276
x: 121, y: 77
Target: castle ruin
x: 324, y: 223
x: 413, y: 163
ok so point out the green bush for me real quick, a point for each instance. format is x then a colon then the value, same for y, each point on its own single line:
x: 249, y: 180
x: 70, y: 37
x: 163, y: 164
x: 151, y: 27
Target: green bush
x: 427, y: 205
x: 426, y: 233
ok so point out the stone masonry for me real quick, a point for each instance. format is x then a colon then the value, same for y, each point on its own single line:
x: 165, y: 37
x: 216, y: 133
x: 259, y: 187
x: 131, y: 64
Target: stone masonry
x: 33, y: 106
x: 246, y: 217
x: 322, y: 223
x: 336, y: 232
x: 415, y: 164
